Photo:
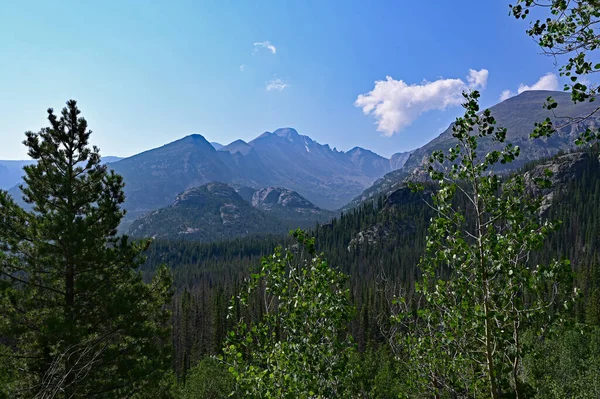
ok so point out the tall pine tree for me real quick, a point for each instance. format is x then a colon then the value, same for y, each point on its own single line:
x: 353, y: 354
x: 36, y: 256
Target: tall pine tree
x: 76, y: 318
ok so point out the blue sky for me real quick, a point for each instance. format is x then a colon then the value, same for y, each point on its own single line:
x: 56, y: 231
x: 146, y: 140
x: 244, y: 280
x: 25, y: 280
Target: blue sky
x: 149, y: 72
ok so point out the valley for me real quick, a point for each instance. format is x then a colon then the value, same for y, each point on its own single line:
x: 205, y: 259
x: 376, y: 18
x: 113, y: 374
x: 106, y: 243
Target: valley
x: 300, y: 199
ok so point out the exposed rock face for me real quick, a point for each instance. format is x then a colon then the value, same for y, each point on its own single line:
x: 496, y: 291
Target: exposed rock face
x: 210, y: 212
x: 559, y: 171
x: 288, y: 204
x: 382, y: 231
x: 201, y: 196
x: 271, y: 197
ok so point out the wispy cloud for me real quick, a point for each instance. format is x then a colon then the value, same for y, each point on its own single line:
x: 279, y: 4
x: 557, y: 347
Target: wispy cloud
x: 276, y: 84
x: 547, y: 82
x: 395, y: 105
x: 478, y: 79
x: 505, y: 95
x: 266, y: 44
x: 242, y: 67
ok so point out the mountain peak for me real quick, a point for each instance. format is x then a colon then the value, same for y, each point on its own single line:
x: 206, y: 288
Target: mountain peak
x: 195, y: 139
x: 356, y: 151
x: 287, y: 132
x: 538, y: 95
x: 237, y: 146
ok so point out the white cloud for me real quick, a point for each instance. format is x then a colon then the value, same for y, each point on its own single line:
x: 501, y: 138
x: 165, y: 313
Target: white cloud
x: 477, y: 78
x: 396, y: 105
x: 276, y: 84
x: 547, y: 82
x: 266, y: 44
x: 243, y: 67
x: 506, y: 94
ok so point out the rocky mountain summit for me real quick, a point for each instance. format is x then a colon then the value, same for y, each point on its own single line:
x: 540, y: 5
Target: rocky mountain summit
x: 216, y: 211
x: 288, y: 204
x: 210, y: 212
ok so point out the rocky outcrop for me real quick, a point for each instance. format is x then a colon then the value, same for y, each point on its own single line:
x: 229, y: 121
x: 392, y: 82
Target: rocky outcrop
x: 288, y: 204
x: 559, y: 171
x: 271, y: 197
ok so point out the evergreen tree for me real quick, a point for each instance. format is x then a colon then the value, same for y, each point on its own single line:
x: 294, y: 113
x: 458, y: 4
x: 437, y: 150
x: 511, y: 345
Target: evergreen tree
x: 76, y: 318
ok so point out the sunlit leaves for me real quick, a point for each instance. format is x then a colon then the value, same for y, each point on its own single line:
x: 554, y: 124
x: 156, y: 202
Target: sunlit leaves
x: 298, y: 348
x: 568, y: 34
x: 479, y: 292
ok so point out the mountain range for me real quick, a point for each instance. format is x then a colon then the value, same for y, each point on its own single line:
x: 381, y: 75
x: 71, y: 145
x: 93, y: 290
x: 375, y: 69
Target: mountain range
x: 289, y: 162
x: 283, y: 158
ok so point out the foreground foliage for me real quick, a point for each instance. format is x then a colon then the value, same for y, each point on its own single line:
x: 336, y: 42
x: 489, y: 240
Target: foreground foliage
x: 479, y: 292
x: 298, y: 347
x: 567, y: 31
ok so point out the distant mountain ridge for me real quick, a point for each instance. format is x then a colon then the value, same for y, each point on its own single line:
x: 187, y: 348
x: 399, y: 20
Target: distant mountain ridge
x: 11, y: 172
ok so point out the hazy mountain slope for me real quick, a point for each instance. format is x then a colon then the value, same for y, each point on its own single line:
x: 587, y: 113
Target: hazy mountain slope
x: 110, y: 159
x: 245, y: 192
x: 11, y: 172
x: 518, y: 114
x: 398, y: 160
x: 153, y: 178
x: 368, y: 162
x: 326, y: 177
x: 237, y: 146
